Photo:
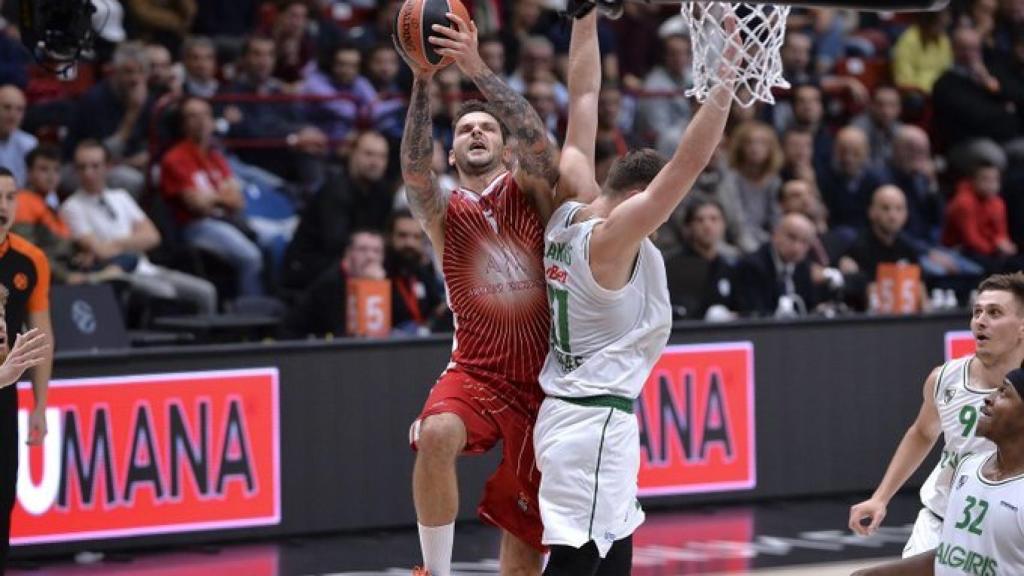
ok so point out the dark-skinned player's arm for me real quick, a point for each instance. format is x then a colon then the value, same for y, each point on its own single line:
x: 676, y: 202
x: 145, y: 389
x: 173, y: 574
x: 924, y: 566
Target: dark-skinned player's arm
x: 921, y: 565
x: 426, y: 199
x: 576, y: 179
x: 537, y: 168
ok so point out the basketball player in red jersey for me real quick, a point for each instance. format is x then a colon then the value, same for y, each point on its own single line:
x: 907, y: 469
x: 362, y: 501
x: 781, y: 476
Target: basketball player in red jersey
x: 489, y: 234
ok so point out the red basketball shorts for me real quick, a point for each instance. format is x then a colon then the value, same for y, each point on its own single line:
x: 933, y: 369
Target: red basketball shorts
x: 493, y: 411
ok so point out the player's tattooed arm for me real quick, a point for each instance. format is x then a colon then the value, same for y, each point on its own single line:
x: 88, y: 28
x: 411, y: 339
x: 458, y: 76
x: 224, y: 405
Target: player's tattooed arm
x: 426, y: 200
x: 536, y: 153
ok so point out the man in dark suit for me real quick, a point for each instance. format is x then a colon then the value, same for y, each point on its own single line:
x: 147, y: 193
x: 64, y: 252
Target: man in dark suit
x: 776, y: 280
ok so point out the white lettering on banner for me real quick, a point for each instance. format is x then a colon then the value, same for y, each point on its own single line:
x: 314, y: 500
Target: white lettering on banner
x: 36, y: 499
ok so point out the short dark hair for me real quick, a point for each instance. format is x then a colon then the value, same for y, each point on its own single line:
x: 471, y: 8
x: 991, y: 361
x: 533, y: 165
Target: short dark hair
x: 93, y: 143
x: 43, y: 151
x: 1012, y: 283
x: 470, y: 106
x: 250, y: 40
x: 699, y: 204
x: 634, y: 170
x: 6, y: 172
x: 983, y: 164
x: 395, y: 216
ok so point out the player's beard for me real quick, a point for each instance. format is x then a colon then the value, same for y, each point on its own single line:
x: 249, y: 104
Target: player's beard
x: 474, y: 167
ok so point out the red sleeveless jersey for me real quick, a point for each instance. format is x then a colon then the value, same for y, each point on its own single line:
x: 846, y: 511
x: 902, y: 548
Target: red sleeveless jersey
x: 493, y: 268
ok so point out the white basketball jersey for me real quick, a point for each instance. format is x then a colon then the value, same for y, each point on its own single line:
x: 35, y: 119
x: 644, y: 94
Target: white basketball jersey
x: 958, y: 404
x: 602, y: 341
x: 983, y: 532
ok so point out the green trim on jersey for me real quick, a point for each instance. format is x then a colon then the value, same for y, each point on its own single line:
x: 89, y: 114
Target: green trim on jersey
x: 597, y: 471
x: 938, y: 382
x: 967, y: 380
x: 620, y: 403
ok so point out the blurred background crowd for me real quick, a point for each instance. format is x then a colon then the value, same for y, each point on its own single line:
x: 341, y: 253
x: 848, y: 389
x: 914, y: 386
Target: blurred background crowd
x: 225, y: 156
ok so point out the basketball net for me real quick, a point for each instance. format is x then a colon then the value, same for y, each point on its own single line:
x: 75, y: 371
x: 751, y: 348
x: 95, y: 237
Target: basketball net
x: 758, y: 35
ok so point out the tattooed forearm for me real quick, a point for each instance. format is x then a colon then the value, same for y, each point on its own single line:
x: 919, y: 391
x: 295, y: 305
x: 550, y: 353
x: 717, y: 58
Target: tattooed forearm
x: 536, y: 153
x: 425, y: 200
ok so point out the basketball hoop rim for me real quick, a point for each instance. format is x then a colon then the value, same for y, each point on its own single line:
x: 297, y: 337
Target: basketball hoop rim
x: 860, y: 5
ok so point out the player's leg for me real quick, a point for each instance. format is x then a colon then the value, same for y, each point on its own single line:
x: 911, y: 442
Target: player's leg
x: 518, y: 558
x: 619, y: 561
x: 569, y: 561
x: 439, y: 442
x: 926, y: 534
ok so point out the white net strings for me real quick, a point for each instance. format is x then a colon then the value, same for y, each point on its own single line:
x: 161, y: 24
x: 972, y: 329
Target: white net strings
x: 760, y: 31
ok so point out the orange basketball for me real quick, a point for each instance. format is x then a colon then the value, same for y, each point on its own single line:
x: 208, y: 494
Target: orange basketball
x: 413, y: 27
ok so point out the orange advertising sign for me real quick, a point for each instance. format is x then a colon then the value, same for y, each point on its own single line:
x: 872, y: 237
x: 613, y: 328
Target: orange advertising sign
x: 369, y: 307
x: 151, y: 454
x: 696, y: 417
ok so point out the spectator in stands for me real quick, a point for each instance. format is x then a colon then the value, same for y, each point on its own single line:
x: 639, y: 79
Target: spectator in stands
x: 799, y: 196
x: 492, y: 52
x: 755, y: 159
x: 969, y: 101
x: 356, y: 197
x: 912, y: 170
x: 1008, y: 68
x: 776, y: 280
x: 165, y: 22
x: 14, y: 58
x: 882, y: 241
x: 199, y: 58
x: 700, y: 274
x: 111, y: 228
x: 537, y: 62
x: 798, y: 67
x: 37, y: 220
x: 162, y: 79
x: 200, y: 188
x: 609, y: 113
x: 664, y: 113
x: 524, y: 22
x: 923, y: 52
x: 250, y: 119
x: 850, y: 182
x: 417, y: 296
x: 15, y: 143
x: 881, y: 122
x: 976, y: 222
x: 337, y: 75
x: 116, y: 112
x: 380, y: 29
x: 226, y: 21
x: 387, y: 111
x: 296, y: 46
x: 798, y: 156
x: 541, y: 95
x: 809, y: 115
x: 322, y: 306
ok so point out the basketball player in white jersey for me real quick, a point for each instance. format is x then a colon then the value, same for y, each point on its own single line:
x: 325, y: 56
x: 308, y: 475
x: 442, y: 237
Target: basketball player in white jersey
x: 953, y: 397
x: 610, y: 320
x: 983, y: 533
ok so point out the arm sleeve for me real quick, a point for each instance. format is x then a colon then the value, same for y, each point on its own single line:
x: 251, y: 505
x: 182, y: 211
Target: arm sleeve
x: 39, y: 299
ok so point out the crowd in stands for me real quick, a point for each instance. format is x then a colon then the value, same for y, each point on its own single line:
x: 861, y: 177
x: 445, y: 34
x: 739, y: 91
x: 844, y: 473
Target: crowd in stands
x: 218, y: 151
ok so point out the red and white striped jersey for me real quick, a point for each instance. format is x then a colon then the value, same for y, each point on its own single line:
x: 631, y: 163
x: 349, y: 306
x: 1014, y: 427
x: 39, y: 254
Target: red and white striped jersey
x: 493, y: 269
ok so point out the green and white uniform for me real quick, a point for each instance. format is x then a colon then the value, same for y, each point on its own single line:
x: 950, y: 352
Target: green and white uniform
x: 604, y: 344
x: 983, y: 534
x: 958, y: 404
